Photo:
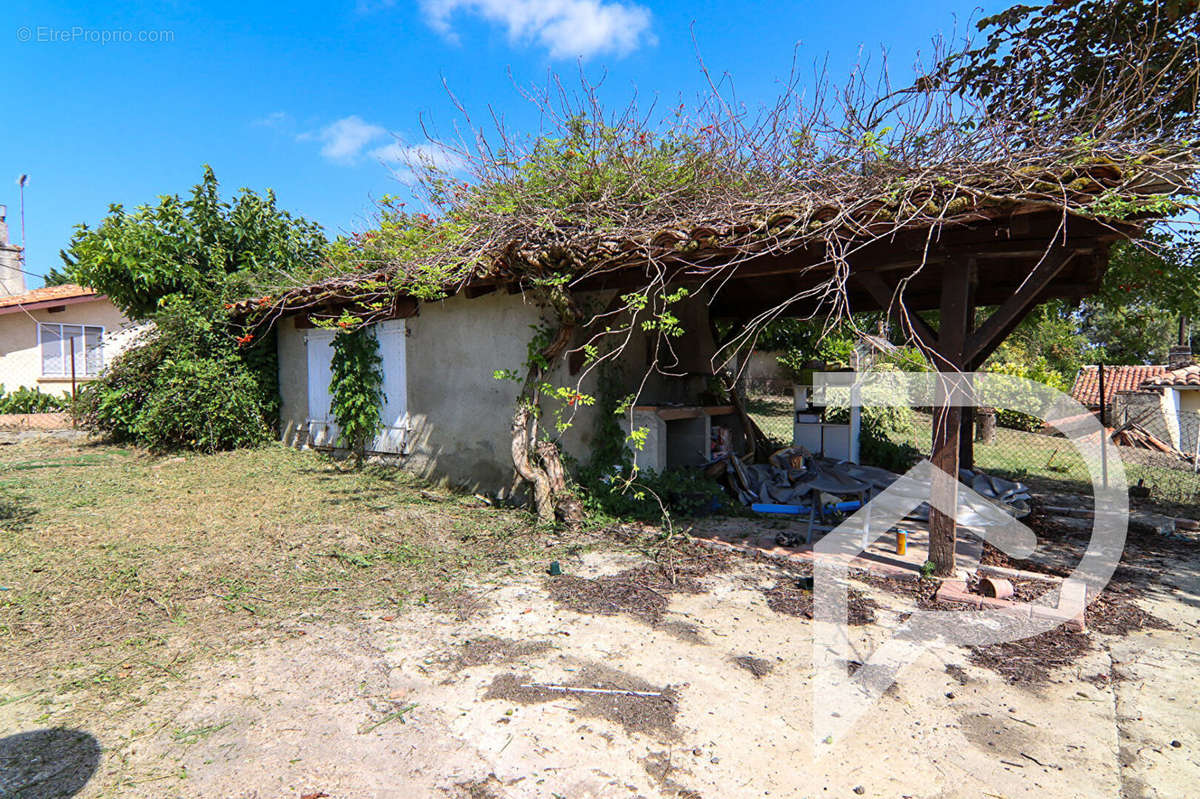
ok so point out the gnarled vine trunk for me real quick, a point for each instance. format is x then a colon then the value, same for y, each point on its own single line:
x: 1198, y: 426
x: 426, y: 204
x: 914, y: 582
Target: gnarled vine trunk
x: 538, y: 463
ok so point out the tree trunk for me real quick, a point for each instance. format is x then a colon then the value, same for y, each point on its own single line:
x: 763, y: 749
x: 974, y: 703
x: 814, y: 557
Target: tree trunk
x: 543, y: 496
x: 539, y: 465
x: 985, y: 429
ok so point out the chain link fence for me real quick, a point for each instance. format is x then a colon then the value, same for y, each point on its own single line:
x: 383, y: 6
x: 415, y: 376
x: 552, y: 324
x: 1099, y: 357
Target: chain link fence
x: 1159, y: 450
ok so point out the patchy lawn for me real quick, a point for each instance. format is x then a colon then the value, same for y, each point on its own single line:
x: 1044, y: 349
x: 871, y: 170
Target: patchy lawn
x: 117, y: 568
x: 262, y: 624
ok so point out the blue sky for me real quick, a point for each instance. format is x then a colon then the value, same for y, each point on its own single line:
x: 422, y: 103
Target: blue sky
x: 312, y: 98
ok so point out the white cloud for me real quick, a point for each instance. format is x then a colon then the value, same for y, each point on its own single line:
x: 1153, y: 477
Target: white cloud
x: 343, y: 141
x: 567, y: 28
x: 412, y: 155
x: 347, y: 140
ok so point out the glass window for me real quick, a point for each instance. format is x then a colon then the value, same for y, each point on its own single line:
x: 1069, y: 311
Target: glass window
x: 94, y: 360
x: 59, y: 341
x: 52, y: 360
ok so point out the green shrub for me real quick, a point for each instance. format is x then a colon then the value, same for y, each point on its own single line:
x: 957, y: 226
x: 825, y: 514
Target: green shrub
x: 882, y: 430
x: 182, y: 386
x: 904, y: 359
x: 682, y: 492
x: 1035, y: 368
x: 113, y: 403
x: 204, y: 404
x: 30, y: 400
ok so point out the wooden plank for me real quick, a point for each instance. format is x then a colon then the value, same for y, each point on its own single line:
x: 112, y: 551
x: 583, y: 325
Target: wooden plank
x: 670, y: 414
x: 1005, y: 318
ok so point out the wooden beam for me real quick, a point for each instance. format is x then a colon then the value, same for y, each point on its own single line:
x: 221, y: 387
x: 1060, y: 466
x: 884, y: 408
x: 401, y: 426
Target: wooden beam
x: 404, y: 307
x: 1009, y: 315
x: 473, y: 291
x: 966, y: 433
x: 886, y: 298
x: 947, y: 417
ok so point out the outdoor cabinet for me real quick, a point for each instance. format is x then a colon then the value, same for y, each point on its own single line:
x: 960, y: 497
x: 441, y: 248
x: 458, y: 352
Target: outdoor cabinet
x: 838, y: 442
x: 678, y: 436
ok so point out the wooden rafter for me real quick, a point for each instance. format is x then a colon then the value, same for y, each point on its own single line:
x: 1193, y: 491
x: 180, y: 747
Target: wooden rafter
x: 1004, y: 319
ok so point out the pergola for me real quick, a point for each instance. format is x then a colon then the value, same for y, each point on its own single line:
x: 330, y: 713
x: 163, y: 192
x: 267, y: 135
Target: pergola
x: 1010, y: 253
x: 1013, y: 261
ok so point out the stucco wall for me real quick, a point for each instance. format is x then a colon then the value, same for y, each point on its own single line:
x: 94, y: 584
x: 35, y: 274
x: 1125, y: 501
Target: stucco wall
x: 460, y: 413
x: 1189, y: 419
x: 20, y: 356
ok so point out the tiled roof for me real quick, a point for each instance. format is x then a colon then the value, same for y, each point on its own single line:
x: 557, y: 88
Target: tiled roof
x: 1187, y: 376
x: 67, y: 291
x: 1116, y: 378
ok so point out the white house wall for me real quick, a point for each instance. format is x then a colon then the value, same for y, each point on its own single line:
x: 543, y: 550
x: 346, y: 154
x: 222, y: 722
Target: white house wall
x: 20, y: 353
x: 459, y: 413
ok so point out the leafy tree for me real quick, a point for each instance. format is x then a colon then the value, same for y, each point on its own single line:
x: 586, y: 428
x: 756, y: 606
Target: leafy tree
x: 1147, y: 288
x: 202, y: 248
x: 1056, y: 54
x: 55, y: 278
x: 192, y: 382
x: 1130, y: 332
x: 1052, y: 334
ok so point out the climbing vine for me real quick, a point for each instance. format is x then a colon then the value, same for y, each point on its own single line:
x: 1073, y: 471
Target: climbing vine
x: 357, y: 387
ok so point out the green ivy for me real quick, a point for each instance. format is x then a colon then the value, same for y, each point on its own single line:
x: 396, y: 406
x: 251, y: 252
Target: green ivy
x: 356, y: 389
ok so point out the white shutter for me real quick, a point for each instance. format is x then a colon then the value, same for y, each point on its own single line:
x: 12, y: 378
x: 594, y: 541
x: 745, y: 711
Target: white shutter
x: 322, y: 429
x: 393, y: 414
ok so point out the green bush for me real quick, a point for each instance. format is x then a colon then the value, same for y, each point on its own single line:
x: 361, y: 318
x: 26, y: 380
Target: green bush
x: 904, y: 359
x: 682, y: 492
x: 204, y: 404
x: 882, y: 430
x: 30, y: 400
x: 1035, y: 368
x: 182, y: 386
x: 113, y: 403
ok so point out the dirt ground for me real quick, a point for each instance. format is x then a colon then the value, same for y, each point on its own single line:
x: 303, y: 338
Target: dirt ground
x: 419, y: 704
x: 621, y: 677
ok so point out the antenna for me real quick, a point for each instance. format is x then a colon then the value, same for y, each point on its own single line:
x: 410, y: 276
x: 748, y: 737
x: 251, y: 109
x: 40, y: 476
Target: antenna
x: 24, y: 255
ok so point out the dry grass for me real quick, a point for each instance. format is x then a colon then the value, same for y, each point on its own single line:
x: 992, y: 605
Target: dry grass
x: 116, y: 568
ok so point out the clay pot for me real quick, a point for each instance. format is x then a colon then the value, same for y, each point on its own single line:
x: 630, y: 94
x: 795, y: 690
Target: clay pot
x: 995, y: 587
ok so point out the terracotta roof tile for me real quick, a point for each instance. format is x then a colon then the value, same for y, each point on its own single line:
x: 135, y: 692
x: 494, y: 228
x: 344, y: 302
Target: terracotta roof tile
x: 67, y: 291
x: 1116, y: 378
x: 1187, y: 376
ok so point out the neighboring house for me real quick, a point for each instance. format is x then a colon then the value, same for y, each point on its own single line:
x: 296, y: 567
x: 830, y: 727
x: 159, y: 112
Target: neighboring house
x: 40, y: 329
x: 1171, y: 404
x: 1162, y: 399
x: 1117, y: 380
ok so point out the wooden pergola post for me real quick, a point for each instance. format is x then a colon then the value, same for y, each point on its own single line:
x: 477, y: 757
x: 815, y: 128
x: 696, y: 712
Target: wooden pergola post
x: 957, y: 312
x: 959, y: 346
